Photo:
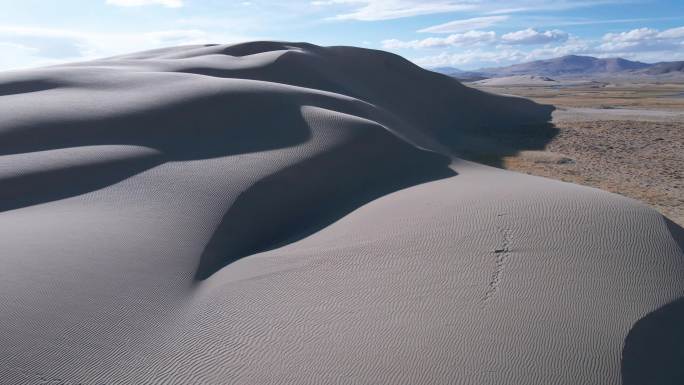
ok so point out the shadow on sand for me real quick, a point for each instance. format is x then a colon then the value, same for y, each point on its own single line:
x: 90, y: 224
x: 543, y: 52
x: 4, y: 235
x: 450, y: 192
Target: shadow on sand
x: 340, y: 181
x: 491, y: 145
x: 653, y: 353
x: 198, y: 129
x: 307, y: 197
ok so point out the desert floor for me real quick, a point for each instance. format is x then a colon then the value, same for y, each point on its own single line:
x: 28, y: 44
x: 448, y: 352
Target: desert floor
x: 627, y: 138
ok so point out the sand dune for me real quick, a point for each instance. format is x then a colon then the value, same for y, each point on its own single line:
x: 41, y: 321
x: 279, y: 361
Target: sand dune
x: 270, y: 213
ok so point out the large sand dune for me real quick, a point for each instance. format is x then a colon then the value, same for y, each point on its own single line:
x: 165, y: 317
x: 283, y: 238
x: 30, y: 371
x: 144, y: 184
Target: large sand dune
x: 281, y: 213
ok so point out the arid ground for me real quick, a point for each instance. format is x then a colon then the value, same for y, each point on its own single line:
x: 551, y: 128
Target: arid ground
x: 627, y: 138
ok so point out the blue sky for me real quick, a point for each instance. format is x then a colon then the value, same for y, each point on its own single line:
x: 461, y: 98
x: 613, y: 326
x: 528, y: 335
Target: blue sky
x: 466, y: 34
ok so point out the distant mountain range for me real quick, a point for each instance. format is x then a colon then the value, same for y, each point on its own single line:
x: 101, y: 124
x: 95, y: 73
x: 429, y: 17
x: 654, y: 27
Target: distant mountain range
x: 461, y: 74
x: 665, y: 68
x: 570, y: 66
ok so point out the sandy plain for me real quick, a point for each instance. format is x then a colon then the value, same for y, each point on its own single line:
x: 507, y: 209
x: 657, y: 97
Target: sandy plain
x: 626, y: 137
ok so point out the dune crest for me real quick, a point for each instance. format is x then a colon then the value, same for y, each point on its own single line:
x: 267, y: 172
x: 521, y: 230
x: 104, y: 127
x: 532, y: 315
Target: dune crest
x: 274, y: 212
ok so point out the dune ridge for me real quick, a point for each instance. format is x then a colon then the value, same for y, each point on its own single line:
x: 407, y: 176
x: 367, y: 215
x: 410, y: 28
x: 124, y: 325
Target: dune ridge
x: 275, y: 212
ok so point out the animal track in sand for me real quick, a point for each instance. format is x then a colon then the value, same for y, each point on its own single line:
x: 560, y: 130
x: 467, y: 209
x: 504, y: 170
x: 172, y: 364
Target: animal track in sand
x: 501, y: 254
x: 42, y: 378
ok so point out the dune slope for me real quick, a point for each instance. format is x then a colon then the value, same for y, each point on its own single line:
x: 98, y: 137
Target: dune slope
x: 270, y: 213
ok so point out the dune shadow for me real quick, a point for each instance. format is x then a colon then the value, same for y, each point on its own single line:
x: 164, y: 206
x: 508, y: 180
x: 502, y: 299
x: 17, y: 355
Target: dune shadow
x: 653, y: 352
x: 677, y: 233
x: 201, y: 129
x: 46, y: 186
x: 499, y: 126
x: 303, y: 199
x: 491, y: 145
x: 27, y: 86
x: 255, y: 47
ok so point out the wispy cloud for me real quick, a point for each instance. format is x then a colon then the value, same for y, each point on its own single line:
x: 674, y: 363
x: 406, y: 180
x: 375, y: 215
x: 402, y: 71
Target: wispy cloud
x: 556, y: 21
x: 465, y: 24
x: 17, y: 55
x: 520, y: 6
x: 455, y: 40
x: 138, y: 3
x: 372, y: 10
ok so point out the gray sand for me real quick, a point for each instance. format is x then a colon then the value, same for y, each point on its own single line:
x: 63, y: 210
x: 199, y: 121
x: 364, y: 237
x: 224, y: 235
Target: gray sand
x: 281, y: 213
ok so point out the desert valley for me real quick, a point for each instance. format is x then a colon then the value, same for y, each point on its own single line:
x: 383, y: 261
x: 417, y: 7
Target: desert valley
x: 345, y: 192
x: 620, y: 125
x: 273, y: 212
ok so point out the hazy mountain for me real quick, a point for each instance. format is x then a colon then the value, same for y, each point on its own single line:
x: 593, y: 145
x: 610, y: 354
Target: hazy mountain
x: 447, y: 70
x: 665, y: 68
x: 568, y: 65
x: 468, y: 76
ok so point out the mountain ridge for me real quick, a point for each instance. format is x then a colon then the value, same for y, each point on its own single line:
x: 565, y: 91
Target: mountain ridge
x: 574, y: 65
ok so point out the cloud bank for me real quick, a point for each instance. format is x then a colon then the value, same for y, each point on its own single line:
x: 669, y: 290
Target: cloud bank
x: 489, y: 49
x: 523, y: 37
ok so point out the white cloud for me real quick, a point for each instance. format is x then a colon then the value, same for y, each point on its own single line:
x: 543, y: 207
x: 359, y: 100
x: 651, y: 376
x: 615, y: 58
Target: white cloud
x: 532, y: 36
x: 638, y: 34
x: 470, y: 38
x: 672, y: 33
x: 465, y: 24
x: 504, y: 55
x: 138, y: 3
x: 573, y: 46
x: 642, y: 44
x: 470, y: 57
x: 642, y: 40
x: 370, y: 10
x: 528, y: 36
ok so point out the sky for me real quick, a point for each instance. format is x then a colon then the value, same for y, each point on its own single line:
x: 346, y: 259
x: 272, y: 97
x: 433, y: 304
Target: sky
x: 465, y: 34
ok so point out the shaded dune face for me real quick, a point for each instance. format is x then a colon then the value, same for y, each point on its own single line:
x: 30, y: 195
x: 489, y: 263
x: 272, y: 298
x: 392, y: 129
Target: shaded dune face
x: 320, y: 188
x: 654, y: 348
x: 358, y: 135
x: 274, y: 212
